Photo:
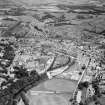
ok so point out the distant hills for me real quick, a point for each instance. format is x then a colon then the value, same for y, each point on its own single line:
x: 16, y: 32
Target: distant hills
x: 8, y: 4
x: 11, y: 3
x: 35, y: 2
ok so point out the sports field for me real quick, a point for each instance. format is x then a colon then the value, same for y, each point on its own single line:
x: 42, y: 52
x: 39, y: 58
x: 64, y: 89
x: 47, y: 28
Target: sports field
x: 59, y: 85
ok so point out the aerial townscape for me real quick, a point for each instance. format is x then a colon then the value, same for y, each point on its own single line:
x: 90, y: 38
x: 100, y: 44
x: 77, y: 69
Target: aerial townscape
x: 52, y: 52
